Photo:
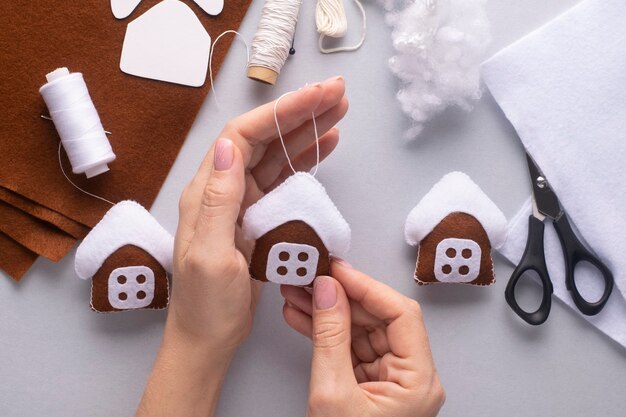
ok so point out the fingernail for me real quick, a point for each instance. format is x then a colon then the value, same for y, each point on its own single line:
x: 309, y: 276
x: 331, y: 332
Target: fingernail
x: 342, y: 262
x: 223, y: 157
x: 324, y: 293
x: 339, y: 78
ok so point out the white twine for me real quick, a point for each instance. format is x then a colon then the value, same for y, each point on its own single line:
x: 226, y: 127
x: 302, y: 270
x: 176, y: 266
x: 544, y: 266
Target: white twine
x: 272, y: 41
x: 77, y: 122
x: 282, y: 141
x: 330, y: 19
x: 211, y: 57
x: 76, y: 186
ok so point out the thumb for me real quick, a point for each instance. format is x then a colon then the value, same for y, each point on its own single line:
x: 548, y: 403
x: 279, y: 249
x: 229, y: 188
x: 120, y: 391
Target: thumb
x: 331, y: 368
x: 221, y: 198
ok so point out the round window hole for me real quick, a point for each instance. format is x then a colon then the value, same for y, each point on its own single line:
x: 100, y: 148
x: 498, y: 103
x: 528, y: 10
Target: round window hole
x: 141, y: 295
x: 466, y: 253
x: 464, y: 270
x: 121, y: 279
x: 122, y: 296
x: 301, y: 272
x: 303, y: 256
x: 446, y: 269
x: 283, y: 256
x: 141, y: 278
x: 450, y: 252
x: 281, y: 270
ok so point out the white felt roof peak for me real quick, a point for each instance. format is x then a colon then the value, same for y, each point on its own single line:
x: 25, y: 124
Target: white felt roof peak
x: 300, y: 197
x: 126, y: 223
x: 455, y: 192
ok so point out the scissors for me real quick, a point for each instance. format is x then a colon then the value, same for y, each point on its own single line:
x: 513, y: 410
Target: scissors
x: 546, y: 205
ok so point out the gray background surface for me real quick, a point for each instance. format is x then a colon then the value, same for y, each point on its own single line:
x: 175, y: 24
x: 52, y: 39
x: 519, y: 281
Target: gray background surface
x: 58, y: 358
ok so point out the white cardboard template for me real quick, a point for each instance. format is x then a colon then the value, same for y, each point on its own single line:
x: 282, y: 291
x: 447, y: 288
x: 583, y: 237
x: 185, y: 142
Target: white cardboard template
x: 167, y: 43
x: 212, y: 7
x: 122, y: 8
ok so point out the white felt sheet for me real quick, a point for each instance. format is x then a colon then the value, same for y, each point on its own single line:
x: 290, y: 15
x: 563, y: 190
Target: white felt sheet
x: 563, y: 87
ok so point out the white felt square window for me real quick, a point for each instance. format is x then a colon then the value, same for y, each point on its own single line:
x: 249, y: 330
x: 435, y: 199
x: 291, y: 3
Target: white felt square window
x: 131, y: 287
x: 292, y: 263
x: 457, y: 260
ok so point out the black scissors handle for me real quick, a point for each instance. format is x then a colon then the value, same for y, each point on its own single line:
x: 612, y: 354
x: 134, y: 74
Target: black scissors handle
x: 575, y: 252
x: 533, y: 259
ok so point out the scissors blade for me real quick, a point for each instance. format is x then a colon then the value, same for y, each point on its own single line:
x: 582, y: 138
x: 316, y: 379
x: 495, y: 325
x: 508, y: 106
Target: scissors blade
x: 546, y: 201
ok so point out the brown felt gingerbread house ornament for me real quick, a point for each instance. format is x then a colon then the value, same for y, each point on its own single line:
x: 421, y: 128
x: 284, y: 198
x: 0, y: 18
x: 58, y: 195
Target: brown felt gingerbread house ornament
x: 455, y: 226
x: 128, y: 256
x: 297, y: 229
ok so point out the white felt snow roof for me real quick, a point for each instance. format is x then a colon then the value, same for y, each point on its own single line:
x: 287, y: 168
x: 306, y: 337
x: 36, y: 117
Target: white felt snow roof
x: 300, y: 197
x: 455, y: 192
x: 126, y: 223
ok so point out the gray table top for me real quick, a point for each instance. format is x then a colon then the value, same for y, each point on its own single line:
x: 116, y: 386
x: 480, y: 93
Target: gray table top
x: 58, y: 358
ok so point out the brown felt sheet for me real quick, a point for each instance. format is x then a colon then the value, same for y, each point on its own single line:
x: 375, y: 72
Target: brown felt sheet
x: 69, y: 226
x: 148, y: 119
x: 36, y: 235
x: 15, y: 259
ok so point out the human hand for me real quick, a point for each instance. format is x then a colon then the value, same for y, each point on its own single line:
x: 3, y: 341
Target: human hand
x: 213, y: 298
x: 371, y: 355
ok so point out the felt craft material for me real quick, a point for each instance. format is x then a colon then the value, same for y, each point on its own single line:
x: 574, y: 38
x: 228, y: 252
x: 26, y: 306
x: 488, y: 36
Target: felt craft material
x: 272, y: 41
x: 167, y: 43
x: 15, y: 259
x: 40, y: 212
x: 455, y: 225
x: 212, y: 7
x: 291, y: 253
x: 297, y: 228
x: 148, y: 120
x: 123, y: 8
x: 439, y: 45
x: 77, y: 122
x: 143, y: 285
x: 611, y: 320
x: 127, y: 255
x: 563, y: 87
x: 26, y: 230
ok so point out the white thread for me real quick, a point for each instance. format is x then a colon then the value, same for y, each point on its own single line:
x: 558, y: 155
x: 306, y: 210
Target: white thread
x: 211, y: 57
x: 272, y: 41
x: 282, y: 141
x: 76, y: 186
x: 43, y: 116
x: 330, y: 19
x: 77, y: 122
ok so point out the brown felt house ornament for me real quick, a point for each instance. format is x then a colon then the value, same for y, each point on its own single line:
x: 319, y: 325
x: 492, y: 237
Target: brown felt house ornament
x: 128, y: 256
x: 455, y: 226
x: 297, y: 229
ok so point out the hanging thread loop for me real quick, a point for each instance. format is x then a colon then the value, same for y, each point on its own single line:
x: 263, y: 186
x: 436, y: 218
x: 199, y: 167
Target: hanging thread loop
x: 282, y: 141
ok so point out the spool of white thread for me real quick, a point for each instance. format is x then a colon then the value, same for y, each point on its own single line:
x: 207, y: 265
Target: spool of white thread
x: 272, y: 41
x: 77, y: 122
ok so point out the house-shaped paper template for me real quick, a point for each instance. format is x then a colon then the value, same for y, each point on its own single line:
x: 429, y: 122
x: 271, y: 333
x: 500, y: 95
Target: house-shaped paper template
x: 128, y: 256
x: 455, y: 226
x: 297, y: 229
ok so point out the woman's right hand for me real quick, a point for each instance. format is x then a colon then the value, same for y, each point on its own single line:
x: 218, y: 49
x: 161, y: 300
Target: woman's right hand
x: 371, y: 355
